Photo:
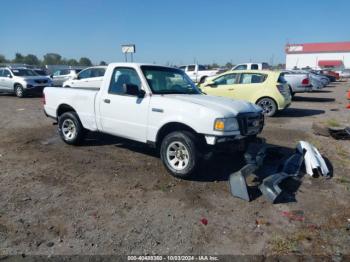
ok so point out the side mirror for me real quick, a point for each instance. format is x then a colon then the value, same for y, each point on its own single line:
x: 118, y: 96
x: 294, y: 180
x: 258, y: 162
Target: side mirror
x: 9, y: 76
x: 134, y: 90
x: 75, y: 77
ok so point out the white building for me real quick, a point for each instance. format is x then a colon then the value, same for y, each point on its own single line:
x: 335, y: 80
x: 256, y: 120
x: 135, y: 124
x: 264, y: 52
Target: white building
x: 318, y: 55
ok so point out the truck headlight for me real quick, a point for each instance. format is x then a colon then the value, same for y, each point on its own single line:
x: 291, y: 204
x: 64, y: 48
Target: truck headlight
x: 226, y: 124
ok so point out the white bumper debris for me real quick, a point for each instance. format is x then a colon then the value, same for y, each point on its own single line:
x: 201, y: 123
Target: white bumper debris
x: 314, y: 162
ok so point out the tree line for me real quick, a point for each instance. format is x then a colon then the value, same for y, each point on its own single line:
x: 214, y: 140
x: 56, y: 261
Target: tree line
x: 48, y: 59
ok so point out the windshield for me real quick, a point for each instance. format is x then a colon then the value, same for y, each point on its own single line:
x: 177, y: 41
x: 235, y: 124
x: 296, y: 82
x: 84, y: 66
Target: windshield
x: 24, y: 72
x: 163, y: 80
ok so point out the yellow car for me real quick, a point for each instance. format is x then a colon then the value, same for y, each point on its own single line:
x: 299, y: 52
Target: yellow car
x: 268, y: 89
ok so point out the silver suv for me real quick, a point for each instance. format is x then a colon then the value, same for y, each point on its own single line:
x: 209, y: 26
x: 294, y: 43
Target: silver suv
x: 22, y: 81
x: 63, y: 75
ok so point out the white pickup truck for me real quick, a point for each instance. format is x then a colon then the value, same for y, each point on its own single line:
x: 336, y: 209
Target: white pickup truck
x: 198, y: 73
x: 156, y: 105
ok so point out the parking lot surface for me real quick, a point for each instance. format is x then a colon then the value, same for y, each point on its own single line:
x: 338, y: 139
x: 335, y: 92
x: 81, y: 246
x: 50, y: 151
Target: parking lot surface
x: 114, y: 196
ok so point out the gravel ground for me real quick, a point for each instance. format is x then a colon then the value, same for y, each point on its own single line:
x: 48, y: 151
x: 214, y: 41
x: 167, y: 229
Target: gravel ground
x: 112, y: 196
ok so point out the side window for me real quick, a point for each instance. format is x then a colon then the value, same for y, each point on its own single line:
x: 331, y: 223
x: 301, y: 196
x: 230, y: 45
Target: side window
x: 57, y: 73
x: 252, y: 78
x: 191, y: 68
x: 241, y: 67
x: 121, y: 77
x: 85, y: 74
x: 6, y: 73
x: 97, y: 72
x: 1, y: 73
x: 254, y: 67
x: 226, y: 79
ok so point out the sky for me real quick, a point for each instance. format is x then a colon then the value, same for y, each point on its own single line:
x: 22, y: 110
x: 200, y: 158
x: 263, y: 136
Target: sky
x: 170, y: 32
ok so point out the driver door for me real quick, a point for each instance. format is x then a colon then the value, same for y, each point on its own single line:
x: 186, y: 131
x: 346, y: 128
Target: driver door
x: 121, y: 114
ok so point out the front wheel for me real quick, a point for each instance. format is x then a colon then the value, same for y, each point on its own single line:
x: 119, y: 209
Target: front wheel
x: 268, y: 106
x: 179, y: 153
x: 19, y: 91
x: 70, y: 128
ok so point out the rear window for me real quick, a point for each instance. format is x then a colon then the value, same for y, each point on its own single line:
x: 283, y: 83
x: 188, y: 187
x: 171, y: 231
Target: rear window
x: 254, y: 67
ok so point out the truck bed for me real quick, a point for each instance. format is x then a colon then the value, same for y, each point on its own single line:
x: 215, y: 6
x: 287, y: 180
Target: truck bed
x: 82, y: 100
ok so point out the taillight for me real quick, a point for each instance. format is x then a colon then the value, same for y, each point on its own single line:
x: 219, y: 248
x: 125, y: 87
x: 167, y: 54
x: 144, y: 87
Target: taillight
x: 43, y: 100
x: 280, y: 88
x: 305, y: 81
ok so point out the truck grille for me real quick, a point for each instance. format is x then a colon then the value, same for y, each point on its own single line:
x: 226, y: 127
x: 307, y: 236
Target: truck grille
x: 250, y: 123
x: 41, y: 81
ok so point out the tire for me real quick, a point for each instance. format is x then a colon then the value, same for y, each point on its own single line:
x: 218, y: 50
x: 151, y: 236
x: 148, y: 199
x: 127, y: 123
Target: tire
x: 179, y: 153
x: 19, y: 91
x: 70, y: 128
x: 268, y: 105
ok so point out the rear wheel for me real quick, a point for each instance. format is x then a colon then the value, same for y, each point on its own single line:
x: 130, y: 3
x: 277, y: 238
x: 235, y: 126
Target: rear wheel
x: 179, y: 153
x: 268, y: 105
x: 19, y: 90
x: 70, y: 128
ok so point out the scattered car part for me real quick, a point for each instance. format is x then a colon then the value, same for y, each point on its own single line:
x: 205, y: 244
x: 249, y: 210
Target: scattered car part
x: 237, y: 180
x: 340, y: 133
x: 305, y: 153
x: 314, y: 162
x: 291, y: 168
x: 270, y: 188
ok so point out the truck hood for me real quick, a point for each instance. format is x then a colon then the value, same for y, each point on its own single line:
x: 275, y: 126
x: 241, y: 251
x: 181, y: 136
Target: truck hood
x: 226, y: 106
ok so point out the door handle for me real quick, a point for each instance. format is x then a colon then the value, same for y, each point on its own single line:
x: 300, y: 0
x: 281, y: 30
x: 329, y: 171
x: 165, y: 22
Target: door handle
x: 107, y: 101
x: 230, y: 89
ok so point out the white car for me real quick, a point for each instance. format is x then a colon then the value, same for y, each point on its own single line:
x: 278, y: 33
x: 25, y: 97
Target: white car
x: 155, y: 105
x: 251, y: 66
x: 88, y: 78
x: 198, y: 73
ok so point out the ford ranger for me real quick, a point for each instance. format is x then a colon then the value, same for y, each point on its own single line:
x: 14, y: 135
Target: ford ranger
x: 156, y: 105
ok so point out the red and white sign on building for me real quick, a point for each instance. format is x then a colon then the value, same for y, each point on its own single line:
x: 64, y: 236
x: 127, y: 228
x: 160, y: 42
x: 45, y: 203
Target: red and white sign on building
x: 318, y: 55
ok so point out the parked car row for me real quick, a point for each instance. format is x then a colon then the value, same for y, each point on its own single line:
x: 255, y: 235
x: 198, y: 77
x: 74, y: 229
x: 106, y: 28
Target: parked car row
x: 271, y: 90
x: 22, y: 81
